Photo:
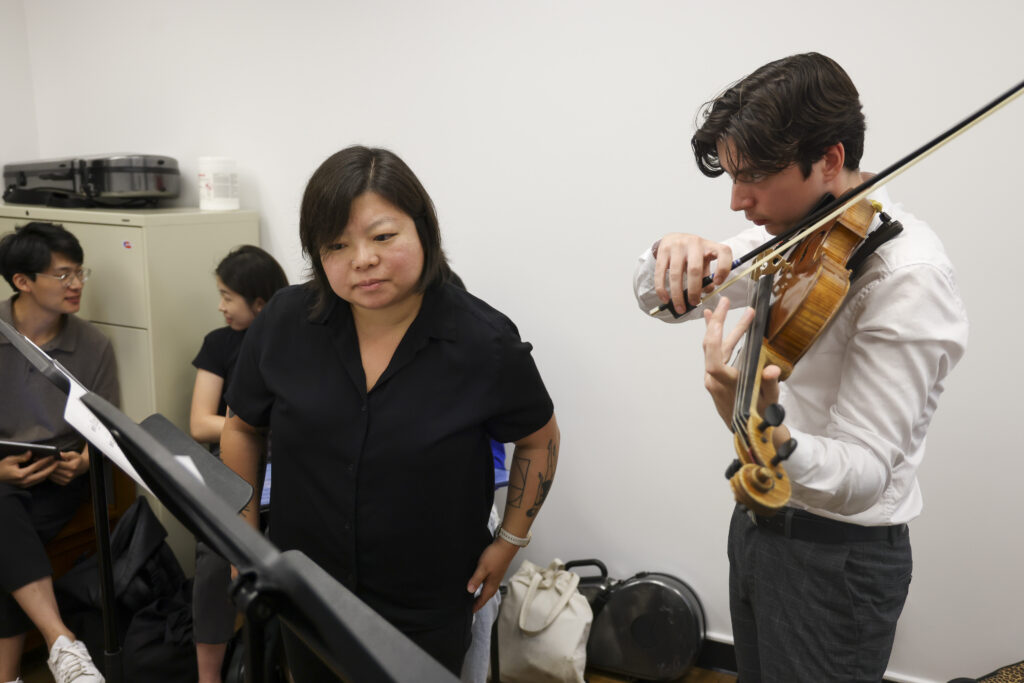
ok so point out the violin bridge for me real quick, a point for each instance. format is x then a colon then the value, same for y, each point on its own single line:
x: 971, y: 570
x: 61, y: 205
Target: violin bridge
x: 768, y: 266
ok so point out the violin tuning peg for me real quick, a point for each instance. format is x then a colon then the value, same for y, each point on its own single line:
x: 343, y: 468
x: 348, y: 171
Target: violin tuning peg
x: 784, y: 451
x: 773, y: 416
x: 733, y: 468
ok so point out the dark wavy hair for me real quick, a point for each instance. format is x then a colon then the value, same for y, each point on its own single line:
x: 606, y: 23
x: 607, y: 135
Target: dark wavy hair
x: 252, y: 273
x: 30, y: 249
x: 788, y: 111
x: 327, y: 202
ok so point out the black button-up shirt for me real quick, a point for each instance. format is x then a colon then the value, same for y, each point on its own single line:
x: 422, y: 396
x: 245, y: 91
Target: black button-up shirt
x: 388, y: 490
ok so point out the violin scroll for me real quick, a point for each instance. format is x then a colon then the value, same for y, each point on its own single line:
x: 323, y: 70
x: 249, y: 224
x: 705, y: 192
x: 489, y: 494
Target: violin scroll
x: 757, y: 477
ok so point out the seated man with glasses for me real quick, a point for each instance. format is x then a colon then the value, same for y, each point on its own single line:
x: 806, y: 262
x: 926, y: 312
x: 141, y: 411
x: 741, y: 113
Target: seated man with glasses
x: 43, y: 264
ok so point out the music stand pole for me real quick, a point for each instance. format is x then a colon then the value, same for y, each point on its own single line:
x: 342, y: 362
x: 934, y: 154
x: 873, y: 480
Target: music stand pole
x: 257, y: 610
x: 101, y: 521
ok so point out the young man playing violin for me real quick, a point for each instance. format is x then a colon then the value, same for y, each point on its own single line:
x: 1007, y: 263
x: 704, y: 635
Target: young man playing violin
x: 816, y: 590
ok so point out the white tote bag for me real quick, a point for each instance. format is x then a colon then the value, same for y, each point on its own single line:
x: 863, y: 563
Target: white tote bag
x: 543, y: 626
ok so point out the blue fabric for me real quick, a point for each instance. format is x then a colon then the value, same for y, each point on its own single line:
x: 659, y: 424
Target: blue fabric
x: 500, y: 473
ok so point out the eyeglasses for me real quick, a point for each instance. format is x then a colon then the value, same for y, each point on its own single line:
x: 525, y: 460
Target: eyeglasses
x: 66, y: 277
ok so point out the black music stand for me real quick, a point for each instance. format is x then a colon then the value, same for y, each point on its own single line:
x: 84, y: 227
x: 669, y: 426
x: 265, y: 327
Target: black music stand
x: 234, y: 490
x: 352, y: 640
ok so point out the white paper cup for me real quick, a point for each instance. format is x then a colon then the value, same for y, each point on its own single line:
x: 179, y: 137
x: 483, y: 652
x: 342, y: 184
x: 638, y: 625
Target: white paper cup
x: 218, y: 184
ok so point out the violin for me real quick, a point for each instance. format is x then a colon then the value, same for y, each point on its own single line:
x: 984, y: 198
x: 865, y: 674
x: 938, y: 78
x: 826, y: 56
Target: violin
x: 793, y: 301
x: 796, y: 296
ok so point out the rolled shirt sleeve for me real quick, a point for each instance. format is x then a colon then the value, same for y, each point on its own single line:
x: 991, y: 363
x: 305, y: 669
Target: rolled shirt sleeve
x: 647, y: 298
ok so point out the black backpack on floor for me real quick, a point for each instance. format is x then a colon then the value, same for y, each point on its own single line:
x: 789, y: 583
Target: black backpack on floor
x: 153, y: 602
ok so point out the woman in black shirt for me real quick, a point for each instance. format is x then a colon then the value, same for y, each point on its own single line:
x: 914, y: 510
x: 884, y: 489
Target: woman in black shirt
x: 382, y: 384
x: 246, y: 280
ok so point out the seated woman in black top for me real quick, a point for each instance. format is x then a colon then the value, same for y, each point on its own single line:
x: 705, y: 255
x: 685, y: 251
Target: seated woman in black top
x: 246, y: 279
x: 382, y: 384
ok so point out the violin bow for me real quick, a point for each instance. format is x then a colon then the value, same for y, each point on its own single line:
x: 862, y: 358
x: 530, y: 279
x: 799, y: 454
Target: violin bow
x: 834, y: 208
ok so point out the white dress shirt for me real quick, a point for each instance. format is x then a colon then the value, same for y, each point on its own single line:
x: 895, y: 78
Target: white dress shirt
x: 860, y: 401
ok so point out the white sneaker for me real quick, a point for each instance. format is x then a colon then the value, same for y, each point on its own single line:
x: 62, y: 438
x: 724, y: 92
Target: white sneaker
x: 70, y: 661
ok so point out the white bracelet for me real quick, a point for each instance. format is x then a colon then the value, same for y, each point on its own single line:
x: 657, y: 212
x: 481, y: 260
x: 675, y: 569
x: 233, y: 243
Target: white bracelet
x: 517, y: 541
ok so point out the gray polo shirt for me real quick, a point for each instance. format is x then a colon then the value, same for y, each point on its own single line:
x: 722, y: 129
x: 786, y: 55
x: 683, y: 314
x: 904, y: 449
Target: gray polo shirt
x: 31, y: 408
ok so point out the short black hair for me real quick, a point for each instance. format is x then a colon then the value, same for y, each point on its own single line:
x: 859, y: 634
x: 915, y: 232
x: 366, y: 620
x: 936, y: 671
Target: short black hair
x: 342, y: 178
x: 788, y: 111
x: 252, y: 273
x: 30, y: 249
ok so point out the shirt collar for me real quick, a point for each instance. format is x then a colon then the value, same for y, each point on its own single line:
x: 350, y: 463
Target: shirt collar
x: 436, y: 317
x: 438, y: 312
x: 66, y: 336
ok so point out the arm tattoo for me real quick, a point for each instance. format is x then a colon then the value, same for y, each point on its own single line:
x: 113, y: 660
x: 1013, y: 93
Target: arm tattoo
x: 546, y: 478
x: 517, y: 482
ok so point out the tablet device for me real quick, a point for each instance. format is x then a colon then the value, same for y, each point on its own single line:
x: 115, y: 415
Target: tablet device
x: 39, y: 450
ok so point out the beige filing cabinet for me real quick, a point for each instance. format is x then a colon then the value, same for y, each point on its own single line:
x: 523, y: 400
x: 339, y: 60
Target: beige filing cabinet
x: 152, y: 292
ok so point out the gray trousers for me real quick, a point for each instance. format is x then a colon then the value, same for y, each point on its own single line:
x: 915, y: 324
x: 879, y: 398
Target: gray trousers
x: 811, y: 611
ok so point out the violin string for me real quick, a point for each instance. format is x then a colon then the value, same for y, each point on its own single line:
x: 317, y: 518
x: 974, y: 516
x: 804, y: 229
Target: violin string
x: 738, y: 423
x: 777, y: 251
x: 747, y: 369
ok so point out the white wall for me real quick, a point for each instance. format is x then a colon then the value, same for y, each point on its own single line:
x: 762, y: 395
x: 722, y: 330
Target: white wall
x: 553, y: 137
x: 17, y: 115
